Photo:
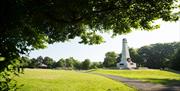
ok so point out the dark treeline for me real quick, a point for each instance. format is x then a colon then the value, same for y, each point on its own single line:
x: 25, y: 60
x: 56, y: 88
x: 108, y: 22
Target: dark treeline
x: 160, y: 55
x: 68, y: 63
x: 155, y: 56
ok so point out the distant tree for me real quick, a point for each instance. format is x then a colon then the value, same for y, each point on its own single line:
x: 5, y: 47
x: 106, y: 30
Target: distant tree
x: 118, y: 59
x: 100, y: 65
x: 48, y: 61
x: 25, y: 61
x: 60, y: 63
x: 158, y: 55
x: 110, y: 59
x: 136, y: 57
x: 95, y: 65
x: 39, y: 60
x: 69, y: 62
x: 77, y: 65
x: 34, y: 63
x: 54, y: 64
x: 86, y: 64
x: 175, y: 64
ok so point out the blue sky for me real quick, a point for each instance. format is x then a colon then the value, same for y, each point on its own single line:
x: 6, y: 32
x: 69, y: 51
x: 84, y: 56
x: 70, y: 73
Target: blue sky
x: 168, y: 32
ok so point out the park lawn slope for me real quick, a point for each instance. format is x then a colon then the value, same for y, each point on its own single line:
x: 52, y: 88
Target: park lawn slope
x: 60, y: 80
x: 154, y: 76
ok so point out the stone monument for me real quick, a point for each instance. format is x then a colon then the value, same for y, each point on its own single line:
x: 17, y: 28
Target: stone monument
x: 125, y: 62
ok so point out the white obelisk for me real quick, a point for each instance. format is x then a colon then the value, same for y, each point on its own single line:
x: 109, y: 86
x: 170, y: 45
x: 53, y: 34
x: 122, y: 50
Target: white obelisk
x: 125, y: 62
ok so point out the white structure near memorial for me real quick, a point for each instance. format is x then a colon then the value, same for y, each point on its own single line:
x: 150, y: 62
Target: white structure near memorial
x: 125, y: 61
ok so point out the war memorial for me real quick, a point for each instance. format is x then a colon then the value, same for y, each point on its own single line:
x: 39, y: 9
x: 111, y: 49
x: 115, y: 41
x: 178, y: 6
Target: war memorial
x: 125, y: 62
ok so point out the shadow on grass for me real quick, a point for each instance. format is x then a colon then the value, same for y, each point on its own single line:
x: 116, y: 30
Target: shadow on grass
x: 168, y: 82
x: 174, y: 71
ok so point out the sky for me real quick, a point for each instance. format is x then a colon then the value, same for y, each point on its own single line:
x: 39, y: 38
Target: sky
x: 168, y: 32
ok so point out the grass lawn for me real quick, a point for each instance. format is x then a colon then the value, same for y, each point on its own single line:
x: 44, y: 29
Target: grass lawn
x: 60, y: 80
x: 154, y: 76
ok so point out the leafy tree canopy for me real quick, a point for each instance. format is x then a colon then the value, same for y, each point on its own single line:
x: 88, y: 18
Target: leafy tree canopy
x: 135, y: 57
x: 176, y: 61
x: 86, y: 64
x: 158, y: 55
x: 110, y: 59
x: 48, y: 61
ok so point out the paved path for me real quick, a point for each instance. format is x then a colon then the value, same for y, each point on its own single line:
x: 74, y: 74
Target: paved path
x: 142, y: 86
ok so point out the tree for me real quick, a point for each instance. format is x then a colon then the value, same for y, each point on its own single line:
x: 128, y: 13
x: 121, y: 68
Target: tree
x: 28, y: 25
x: 34, y: 63
x: 39, y: 60
x: 136, y: 57
x: 100, y: 65
x: 61, y: 63
x: 118, y: 59
x: 86, y: 64
x: 77, y: 65
x: 69, y: 62
x: 94, y: 65
x: 110, y: 59
x: 158, y: 55
x: 25, y: 61
x: 48, y: 61
x: 176, y: 61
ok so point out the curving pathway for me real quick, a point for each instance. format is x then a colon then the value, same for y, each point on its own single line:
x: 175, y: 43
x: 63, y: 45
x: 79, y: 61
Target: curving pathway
x: 140, y: 85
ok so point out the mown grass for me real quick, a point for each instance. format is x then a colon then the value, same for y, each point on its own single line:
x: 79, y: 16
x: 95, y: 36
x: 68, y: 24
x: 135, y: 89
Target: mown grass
x: 60, y: 80
x: 154, y: 76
